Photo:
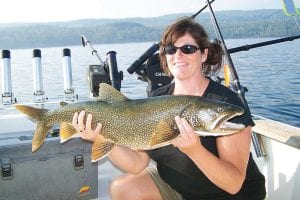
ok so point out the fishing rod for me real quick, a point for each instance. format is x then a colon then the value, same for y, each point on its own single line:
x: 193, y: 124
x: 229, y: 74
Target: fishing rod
x: 106, y: 72
x: 261, y: 44
x: 203, y: 8
x: 86, y: 42
x: 236, y: 83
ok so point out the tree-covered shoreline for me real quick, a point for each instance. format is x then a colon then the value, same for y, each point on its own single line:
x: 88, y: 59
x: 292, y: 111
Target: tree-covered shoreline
x: 233, y: 24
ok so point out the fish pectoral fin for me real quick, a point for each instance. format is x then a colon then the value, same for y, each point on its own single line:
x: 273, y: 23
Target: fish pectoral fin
x: 66, y: 132
x: 101, y: 148
x: 163, y: 132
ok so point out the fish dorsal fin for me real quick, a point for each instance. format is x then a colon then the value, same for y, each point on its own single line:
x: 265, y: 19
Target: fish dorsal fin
x: 162, y: 133
x: 101, y: 147
x: 66, y: 132
x: 110, y: 94
x: 63, y: 103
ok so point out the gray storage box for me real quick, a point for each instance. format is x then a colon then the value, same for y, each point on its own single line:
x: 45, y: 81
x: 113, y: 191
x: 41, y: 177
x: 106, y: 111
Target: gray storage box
x: 55, y: 171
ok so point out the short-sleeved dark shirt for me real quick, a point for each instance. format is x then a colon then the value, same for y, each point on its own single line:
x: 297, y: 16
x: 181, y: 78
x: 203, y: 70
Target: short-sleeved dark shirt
x: 180, y: 172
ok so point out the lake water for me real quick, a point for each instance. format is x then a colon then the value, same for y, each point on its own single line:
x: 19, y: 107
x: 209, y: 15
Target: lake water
x: 270, y: 73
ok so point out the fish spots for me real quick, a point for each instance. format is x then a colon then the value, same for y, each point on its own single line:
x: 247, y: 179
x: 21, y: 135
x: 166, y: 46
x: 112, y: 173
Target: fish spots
x: 141, y: 123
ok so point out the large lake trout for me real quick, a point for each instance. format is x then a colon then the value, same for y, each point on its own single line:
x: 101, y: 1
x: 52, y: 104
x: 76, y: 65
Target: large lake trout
x: 140, y: 123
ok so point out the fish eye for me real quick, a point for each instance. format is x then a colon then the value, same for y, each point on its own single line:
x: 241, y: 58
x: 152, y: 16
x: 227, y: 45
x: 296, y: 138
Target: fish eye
x: 220, y: 109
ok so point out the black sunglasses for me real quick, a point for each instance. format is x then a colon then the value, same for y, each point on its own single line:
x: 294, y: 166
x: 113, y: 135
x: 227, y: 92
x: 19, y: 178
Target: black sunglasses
x: 186, y: 49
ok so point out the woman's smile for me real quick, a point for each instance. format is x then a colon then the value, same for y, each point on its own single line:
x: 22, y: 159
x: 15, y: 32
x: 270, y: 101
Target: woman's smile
x: 180, y: 64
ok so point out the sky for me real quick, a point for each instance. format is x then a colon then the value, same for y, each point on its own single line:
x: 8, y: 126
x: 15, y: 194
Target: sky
x: 19, y: 11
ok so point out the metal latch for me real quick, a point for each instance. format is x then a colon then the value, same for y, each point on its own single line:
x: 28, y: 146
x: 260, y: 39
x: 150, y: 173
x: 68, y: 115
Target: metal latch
x: 6, y: 169
x: 78, y: 162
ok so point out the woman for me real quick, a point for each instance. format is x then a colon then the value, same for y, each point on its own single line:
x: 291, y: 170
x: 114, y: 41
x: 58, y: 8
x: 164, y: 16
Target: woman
x: 192, y: 167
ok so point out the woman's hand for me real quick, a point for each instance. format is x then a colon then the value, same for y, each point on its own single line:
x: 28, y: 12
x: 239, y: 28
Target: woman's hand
x: 126, y: 159
x: 85, y: 129
x: 187, y: 140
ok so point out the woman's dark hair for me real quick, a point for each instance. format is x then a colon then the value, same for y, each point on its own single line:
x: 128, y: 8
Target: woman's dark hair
x: 188, y: 25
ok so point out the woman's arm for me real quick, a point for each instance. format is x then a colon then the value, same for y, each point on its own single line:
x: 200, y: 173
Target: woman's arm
x: 126, y: 159
x: 228, y: 171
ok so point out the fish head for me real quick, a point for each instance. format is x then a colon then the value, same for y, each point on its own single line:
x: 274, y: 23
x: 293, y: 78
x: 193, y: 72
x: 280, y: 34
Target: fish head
x: 212, y: 119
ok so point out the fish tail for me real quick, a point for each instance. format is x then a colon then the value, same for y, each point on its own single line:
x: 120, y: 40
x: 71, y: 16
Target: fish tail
x: 34, y: 113
x: 42, y: 128
x: 40, y: 134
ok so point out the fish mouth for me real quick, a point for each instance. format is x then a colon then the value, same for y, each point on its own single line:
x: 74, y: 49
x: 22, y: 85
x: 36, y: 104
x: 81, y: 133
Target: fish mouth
x: 222, y: 125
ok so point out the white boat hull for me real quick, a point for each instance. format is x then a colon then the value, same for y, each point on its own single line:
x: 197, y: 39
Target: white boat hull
x: 281, y: 163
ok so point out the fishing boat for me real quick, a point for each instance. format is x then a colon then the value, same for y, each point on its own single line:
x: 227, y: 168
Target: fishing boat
x: 65, y: 171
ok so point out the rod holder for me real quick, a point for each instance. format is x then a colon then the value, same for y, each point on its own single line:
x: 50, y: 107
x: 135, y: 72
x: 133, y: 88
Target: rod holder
x: 67, y: 72
x: 114, y: 74
x: 7, y: 95
x: 38, y: 90
x: 257, y: 145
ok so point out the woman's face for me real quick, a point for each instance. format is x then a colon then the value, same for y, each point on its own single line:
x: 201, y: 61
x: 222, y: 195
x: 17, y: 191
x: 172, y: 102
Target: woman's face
x: 184, y: 66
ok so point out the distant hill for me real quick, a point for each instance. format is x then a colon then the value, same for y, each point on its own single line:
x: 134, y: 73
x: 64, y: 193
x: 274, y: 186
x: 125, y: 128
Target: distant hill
x: 234, y: 24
